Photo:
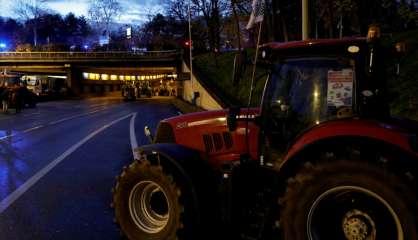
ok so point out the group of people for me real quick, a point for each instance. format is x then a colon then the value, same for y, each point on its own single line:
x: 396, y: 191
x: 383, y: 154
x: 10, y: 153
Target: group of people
x: 13, y: 96
x: 133, y: 90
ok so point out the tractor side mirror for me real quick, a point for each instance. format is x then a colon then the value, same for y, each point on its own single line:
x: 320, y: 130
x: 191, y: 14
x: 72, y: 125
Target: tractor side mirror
x: 240, y: 66
x: 231, y: 119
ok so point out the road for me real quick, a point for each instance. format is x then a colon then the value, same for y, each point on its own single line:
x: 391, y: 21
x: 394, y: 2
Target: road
x: 58, y: 163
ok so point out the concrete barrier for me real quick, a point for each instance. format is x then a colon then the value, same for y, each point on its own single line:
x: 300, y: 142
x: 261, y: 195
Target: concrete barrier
x: 196, y: 93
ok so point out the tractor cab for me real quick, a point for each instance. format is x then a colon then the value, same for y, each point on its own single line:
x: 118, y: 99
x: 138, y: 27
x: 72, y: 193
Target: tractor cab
x: 317, y: 81
x: 310, y: 83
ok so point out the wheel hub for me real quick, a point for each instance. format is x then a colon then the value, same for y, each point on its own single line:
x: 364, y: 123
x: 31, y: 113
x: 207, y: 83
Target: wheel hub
x: 149, y: 207
x: 358, y: 226
x: 352, y: 213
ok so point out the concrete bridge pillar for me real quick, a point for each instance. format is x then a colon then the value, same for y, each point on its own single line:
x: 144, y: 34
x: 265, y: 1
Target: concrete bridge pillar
x: 74, y: 78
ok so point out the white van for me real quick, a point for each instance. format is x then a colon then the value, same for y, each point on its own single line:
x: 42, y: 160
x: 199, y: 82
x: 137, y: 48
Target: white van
x: 34, y: 83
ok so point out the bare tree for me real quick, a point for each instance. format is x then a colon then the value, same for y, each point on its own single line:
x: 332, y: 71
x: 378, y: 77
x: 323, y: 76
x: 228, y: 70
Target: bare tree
x: 236, y: 19
x: 31, y: 10
x: 243, y: 6
x: 212, y: 12
x: 177, y: 9
x: 104, y: 12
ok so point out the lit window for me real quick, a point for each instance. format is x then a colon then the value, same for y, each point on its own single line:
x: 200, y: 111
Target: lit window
x: 85, y: 75
x: 113, y: 77
x: 121, y: 77
x: 92, y: 76
x: 128, y: 78
x: 105, y: 77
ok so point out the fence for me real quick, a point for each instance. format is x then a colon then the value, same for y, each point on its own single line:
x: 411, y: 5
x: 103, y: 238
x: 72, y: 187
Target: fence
x: 87, y: 55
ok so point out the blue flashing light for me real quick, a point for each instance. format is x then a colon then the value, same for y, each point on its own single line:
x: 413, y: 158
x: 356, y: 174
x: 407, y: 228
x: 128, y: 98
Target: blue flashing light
x: 86, y: 47
x: 3, y: 45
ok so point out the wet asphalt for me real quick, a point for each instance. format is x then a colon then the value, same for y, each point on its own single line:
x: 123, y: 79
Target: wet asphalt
x: 58, y: 163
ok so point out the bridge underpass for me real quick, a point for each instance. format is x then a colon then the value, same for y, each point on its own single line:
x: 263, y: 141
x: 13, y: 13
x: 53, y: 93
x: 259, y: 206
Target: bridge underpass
x: 96, y: 72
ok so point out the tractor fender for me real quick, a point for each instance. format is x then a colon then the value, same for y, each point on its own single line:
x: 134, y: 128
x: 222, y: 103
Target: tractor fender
x: 179, y: 156
x: 379, y: 136
x: 309, y: 153
x: 187, y: 161
x: 365, y: 129
x: 187, y: 164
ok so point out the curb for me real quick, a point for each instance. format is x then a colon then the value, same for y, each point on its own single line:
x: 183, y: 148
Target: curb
x: 185, y: 107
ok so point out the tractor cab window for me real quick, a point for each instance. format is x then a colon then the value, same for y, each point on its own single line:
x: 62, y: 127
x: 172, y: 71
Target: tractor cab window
x: 304, y: 92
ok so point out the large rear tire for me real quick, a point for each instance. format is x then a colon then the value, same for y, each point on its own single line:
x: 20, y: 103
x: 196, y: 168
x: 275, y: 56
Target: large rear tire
x: 348, y: 200
x: 147, y: 203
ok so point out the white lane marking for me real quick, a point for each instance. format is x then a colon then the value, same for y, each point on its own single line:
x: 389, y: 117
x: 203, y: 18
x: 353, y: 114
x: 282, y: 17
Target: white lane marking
x: 16, y: 194
x: 98, y: 105
x: 7, y: 136
x: 62, y: 120
x: 75, y: 116
x: 31, y: 114
x: 132, y: 135
x: 53, y: 123
x: 34, y: 128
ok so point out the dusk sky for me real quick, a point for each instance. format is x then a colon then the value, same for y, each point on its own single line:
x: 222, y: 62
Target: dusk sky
x: 135, y: 11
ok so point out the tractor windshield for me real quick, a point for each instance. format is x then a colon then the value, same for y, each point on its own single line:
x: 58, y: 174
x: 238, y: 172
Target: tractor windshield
x: 307, y: 91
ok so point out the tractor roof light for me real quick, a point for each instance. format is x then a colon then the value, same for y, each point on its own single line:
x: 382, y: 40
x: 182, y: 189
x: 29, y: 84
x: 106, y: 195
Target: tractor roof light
x: 373, y: 33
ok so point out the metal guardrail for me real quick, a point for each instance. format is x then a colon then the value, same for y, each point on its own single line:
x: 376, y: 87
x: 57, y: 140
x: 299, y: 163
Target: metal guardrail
x: 87, y: 55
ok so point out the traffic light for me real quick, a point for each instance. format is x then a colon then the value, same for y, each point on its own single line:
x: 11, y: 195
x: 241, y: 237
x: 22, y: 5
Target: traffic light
x: 188, y: 43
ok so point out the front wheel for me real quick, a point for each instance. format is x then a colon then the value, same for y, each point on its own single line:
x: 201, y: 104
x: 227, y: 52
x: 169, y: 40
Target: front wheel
x: 348, y: 200
x: 147, y: 203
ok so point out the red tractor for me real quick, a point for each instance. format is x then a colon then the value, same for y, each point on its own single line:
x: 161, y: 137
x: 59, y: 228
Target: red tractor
x: 320, y: 159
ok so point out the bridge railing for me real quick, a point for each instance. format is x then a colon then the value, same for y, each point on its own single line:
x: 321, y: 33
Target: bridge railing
x: 87, y: 55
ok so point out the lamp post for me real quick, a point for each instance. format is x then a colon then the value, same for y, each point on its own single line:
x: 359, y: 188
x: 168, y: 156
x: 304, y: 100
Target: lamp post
x: 129, y: 37
x: 190, y: 46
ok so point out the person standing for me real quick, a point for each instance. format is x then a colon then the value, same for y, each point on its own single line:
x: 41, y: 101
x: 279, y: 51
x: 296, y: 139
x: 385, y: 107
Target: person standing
x: 5, y: 97
x: 2, y: 88
x: 21, y: 96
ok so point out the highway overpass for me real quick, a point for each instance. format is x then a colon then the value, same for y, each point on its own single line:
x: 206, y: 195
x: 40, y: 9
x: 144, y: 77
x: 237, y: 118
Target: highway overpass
x: 95, y: 71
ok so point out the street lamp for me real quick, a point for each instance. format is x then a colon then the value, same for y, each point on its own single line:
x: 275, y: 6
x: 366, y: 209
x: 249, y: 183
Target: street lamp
x: 128, y: 32
x: 305, y: 19
x: 190, y: 44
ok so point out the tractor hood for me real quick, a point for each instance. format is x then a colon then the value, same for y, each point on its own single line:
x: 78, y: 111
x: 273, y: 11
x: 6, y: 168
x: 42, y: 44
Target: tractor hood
x: 207, y: 132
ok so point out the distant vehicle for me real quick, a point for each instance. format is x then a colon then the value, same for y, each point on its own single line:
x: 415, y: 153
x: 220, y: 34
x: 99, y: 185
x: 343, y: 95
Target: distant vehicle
x: 128, y: 92
x: 24, y: 98
x: 34, y: 84
x: 143, y: 90
x: 10, y: 79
